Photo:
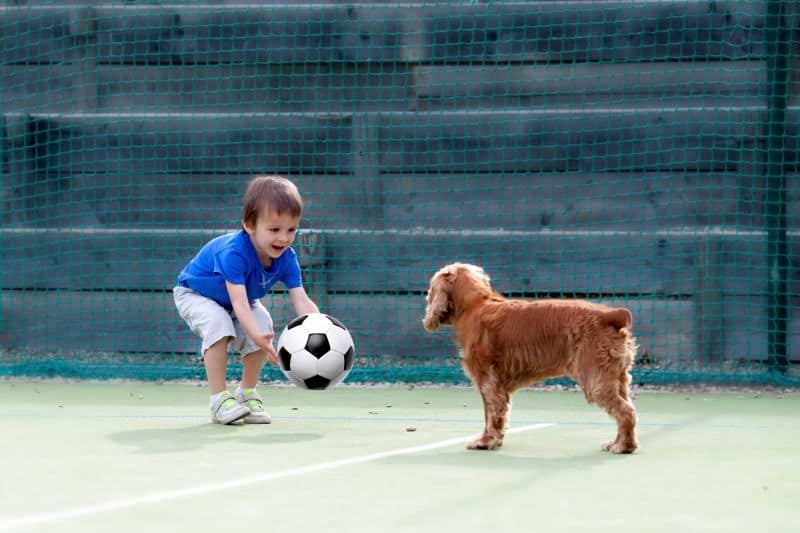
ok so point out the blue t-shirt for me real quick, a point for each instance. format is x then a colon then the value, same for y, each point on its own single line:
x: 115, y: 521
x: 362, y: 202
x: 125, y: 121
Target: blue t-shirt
x: 233, y: 258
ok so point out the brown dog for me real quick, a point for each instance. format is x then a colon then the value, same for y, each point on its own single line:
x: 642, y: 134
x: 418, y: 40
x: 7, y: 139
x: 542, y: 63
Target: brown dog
x: 507, y: 344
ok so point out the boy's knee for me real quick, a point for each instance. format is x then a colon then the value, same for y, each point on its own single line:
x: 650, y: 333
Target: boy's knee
x: 218, y: 346
x: 257, y: 354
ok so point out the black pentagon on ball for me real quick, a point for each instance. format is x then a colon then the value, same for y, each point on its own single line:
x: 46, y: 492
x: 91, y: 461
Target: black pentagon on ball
x: 348, y: 358
x: 317, y: 344
x: 335, y: 322
x: 285, y: 358
x: 296, y: 322
x: 317, y: 382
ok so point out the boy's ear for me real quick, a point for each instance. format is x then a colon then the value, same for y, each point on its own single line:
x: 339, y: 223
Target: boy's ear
x: 248, y: 227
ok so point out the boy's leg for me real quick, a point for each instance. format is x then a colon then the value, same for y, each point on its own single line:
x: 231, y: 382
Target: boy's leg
x: 253, y: 359
x: 252, y: 364
x: 216, y: 362
x: 212, y: 323
x: 246, y: 394
x: 225, y: 409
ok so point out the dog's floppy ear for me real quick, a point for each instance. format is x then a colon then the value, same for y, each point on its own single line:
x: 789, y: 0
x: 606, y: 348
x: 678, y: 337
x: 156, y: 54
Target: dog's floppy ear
x: 438, y: 299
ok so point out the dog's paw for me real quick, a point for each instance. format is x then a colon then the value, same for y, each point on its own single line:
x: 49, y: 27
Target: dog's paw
x: 485, y: 443
x: 619, y: 447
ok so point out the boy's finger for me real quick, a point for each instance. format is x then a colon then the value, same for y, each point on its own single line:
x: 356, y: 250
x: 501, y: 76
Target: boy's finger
x: 272, y: 353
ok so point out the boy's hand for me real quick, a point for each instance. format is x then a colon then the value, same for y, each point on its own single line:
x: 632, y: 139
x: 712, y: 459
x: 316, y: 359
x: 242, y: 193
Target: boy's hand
x: 241, y: 307
x: 264, y: 341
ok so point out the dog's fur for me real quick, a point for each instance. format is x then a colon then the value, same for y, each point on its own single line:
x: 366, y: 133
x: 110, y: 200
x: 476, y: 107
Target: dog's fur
x: 507, y: 344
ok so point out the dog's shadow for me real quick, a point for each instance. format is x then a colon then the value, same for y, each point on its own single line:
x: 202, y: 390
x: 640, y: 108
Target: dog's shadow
x: 181, y: 439
x: 546, y: 460
x: 505, y: 458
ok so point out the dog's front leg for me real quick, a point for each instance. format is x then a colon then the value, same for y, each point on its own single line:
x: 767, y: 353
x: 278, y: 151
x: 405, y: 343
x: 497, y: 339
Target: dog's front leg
x: 496, y: 403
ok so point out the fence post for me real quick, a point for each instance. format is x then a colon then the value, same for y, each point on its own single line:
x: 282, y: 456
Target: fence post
x: 775, y: 211
x: 82, y: 31
x: 3, y: 180
x: 312, y: 259
x: 366, y: 164
x: 709, y: 305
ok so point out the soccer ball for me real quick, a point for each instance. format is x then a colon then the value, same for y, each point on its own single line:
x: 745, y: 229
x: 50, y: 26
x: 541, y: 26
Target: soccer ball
x: 315, y: 351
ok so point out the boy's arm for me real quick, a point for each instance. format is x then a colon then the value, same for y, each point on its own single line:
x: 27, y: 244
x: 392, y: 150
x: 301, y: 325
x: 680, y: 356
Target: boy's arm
x: 301, y: 302
x: 241, y: 307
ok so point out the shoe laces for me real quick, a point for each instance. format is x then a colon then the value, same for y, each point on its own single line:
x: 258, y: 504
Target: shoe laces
x: 254, y: 405
x: 228, y: 404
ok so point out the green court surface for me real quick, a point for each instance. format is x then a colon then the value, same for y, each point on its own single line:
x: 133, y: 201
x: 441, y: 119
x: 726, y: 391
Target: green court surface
x: 145, y: 457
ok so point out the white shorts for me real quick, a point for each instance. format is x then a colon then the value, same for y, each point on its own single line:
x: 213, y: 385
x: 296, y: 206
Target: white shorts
x: 212, y: 322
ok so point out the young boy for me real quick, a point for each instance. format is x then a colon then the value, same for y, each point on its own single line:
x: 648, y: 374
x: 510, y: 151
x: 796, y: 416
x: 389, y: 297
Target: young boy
x: 218, y: 294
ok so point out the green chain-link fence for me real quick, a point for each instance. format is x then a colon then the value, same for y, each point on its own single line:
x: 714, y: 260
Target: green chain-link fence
x: 638, y: 153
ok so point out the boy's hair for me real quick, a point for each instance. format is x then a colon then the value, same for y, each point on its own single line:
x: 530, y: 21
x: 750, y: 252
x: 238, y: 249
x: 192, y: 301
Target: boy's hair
x: 273, y: 192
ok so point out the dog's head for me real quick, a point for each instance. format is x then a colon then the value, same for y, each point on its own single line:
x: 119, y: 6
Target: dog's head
x: 448, y: 289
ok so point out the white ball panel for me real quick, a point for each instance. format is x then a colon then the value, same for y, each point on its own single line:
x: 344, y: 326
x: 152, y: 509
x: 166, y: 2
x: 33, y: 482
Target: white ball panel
x: 331, y: 365
x: 293, y: 339
x: 294, y: 379
x: 339, y: 339
x: 317, y: 323
x: 304, y: 364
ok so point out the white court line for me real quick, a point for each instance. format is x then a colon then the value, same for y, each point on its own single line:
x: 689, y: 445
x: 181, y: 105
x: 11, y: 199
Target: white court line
x: 160, y: 497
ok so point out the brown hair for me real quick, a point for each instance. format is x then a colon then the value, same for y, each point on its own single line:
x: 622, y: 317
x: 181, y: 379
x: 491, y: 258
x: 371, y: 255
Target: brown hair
x: 273, y: 192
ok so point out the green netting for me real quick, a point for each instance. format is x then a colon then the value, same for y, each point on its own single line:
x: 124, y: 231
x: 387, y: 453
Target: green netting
x: 637, y: 153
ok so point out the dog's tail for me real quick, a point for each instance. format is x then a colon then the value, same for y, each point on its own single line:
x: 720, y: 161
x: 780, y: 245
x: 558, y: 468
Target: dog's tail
x: 619, y: 318
x: 622, y: 320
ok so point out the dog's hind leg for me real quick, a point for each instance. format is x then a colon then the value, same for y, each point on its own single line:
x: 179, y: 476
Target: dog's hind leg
x: 622, y: 410
x: 625, y: 385
x: 496, y: 405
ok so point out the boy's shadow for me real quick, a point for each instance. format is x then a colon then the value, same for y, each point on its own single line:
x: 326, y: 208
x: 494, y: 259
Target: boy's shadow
x: 181, y: 439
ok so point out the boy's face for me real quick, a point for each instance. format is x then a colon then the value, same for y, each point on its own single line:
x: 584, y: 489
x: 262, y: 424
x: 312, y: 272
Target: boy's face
x: 273, y: 233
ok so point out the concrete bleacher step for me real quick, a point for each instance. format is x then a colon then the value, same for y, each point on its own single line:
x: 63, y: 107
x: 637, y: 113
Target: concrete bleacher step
x: 705, y: 136
x: 177, y: 33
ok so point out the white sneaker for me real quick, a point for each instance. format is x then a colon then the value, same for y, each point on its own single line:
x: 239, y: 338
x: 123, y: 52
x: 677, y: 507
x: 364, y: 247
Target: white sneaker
x: 251, y: 400
x: 226, y: 410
